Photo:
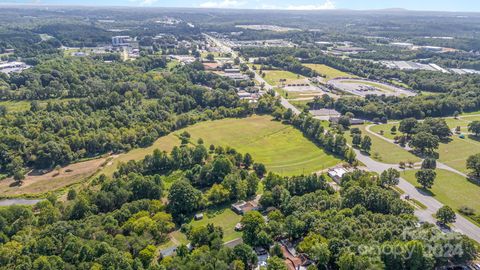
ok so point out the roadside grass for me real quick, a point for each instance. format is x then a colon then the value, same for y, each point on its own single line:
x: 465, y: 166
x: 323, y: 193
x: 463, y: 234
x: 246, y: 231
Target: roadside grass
x: 453, y: 153
x: 282, y: 148
x: 384, y: 151
x: 329, y: 72
x: 456, y: 152
x: 450, y: 189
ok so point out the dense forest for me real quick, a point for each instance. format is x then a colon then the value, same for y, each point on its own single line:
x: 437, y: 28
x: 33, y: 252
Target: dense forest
x: 118, y: 223
x: 107, y: 108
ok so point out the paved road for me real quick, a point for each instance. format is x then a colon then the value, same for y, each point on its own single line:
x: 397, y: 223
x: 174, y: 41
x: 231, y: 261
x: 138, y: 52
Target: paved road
x: 259, y: 78
x: 440, y: 165
x: 461, y: 225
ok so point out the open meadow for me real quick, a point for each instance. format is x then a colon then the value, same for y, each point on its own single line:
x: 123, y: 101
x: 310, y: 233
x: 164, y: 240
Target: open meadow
x: 282, y: 148
x: 329, y: 72
x: 273, y: 77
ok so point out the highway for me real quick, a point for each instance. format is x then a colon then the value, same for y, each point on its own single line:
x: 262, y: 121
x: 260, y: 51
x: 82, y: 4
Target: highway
x: 427, y: 215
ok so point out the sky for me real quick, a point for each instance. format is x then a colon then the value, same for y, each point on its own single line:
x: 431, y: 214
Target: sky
x: 437, y: 5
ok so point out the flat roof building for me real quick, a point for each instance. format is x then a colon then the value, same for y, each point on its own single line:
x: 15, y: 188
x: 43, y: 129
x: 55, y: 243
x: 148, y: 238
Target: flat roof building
x: 119, y: 41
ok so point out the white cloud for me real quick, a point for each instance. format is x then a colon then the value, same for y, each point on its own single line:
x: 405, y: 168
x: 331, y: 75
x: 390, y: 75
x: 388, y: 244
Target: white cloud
x: 144, y: 2
x: 223, y: 4
x: 329, y: 4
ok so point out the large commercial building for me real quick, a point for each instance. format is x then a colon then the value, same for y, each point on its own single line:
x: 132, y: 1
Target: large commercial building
x: 119, y: 41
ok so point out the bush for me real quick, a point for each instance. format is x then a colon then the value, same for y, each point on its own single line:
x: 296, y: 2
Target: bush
x: 466, y: 210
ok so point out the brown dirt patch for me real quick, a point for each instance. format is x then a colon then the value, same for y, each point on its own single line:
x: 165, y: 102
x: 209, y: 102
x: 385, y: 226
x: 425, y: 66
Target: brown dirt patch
x: 35, y: 184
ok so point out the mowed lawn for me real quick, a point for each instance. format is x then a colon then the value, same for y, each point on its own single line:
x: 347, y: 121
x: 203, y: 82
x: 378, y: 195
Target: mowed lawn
x: 273, y: 77
x: 455, y: 152
x: 282, y: 148
x: 384, y: 151
x: 329, y: 72
x: 451, y: 189
x: 224, y: 218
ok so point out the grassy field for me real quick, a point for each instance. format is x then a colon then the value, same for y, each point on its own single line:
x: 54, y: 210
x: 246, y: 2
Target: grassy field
x: 16, y: 106
x: 386, y: 130
x: 456, y: 152
x: 453, y: 153
x: 164, y: 143
x: 224, y: 218
x: 385, y: 151
x: 379, y: 86
x: 298, y: 94
x: 329, y: 72
x: 300, y: 104
x: 282, y: 148
x: 451, y: 189
x: 24, y: 105
x: 273, y: 77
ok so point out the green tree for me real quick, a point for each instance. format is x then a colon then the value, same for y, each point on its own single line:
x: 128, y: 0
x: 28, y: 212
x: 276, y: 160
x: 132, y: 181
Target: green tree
x: 147, y: 254
x: 320, y: 253
x: 426, y: 178
x: 259, y: 169
x: 217, y: 194
x: 474, y: 127
x: 252, y: 223
x: 275, y: 263
x: 247, y: 160
x: 389, y: 177
x: 408, y: 126
x: 246, y: 254
x: 183, y: 198
x: 72, y: 194
x: 210, y: 57
x: 366, y: 144
x: 356, y: 140
x: 350, y: 156
x: 393, y: 130
x: 473, y: 164
x: 425, y: 142
x: 446, y: 215
x: 429, y: 163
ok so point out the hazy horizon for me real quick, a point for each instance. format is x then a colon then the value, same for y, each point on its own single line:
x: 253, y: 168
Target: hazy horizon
x: 304, y: 5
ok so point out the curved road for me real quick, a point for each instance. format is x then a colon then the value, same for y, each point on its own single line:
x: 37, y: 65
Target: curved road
x: 462, y: 224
